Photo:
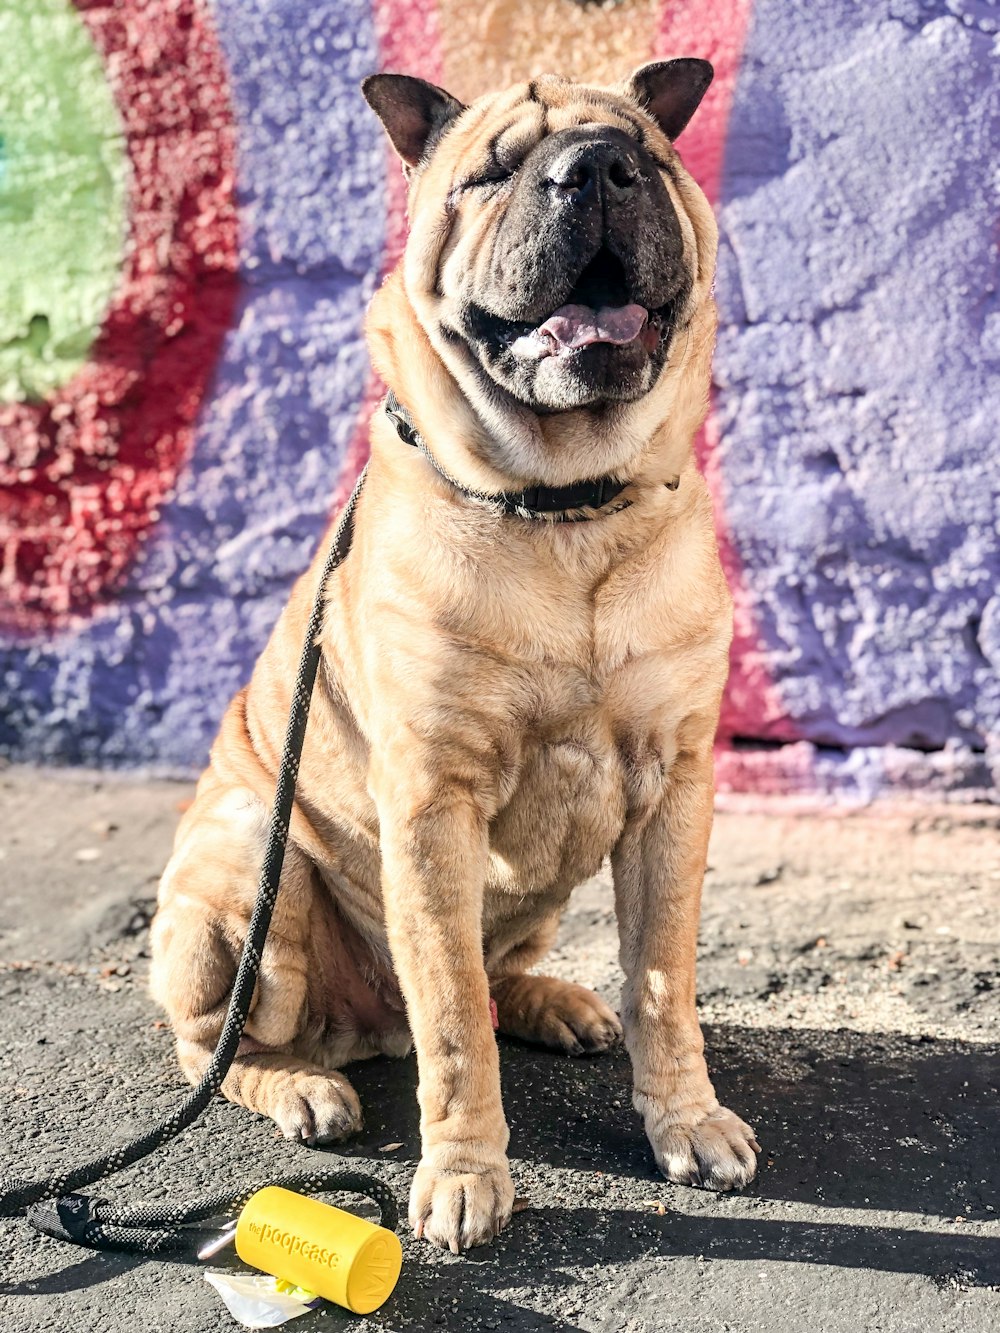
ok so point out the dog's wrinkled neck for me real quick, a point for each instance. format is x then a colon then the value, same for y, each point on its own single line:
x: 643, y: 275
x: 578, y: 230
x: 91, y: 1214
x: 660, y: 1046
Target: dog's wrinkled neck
x: 580, y: 502
x: 491, y: 443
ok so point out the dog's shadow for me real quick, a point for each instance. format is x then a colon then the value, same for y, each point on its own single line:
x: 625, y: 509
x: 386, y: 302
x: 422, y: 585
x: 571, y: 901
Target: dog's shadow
x: 846, y: 1119
x: 869, y: 1123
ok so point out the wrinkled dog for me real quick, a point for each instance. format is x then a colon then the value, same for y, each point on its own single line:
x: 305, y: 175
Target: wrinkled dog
x: 507, y: 694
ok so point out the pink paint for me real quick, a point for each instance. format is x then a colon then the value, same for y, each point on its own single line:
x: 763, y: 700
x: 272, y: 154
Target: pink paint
x: 409, y: 43
x: 717, y: 33
x: 713, y: 32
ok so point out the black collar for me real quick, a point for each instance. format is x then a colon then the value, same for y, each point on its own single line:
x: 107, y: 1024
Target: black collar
x: 558, y: 503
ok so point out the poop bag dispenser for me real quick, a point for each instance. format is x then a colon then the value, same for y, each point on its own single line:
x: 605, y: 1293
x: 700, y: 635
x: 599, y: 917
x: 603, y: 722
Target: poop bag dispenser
x: 318, y: 1247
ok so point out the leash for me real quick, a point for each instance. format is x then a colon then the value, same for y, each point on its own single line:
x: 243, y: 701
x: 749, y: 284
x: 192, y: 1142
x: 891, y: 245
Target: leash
x: 51, y: 1204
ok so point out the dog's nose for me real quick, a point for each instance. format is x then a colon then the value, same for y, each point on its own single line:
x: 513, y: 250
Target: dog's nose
x: 599, y: 170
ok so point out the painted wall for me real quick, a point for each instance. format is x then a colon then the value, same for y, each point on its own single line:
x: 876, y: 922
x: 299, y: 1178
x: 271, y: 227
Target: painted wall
x: 200, y: 205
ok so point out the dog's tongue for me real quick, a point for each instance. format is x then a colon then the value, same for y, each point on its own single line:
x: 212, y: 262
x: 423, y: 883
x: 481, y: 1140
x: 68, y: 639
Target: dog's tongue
x: 574, y: 326
x: 580, y: 325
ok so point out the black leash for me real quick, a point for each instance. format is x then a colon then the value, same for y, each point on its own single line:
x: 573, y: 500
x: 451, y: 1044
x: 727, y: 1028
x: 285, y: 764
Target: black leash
x: 51, y: 1203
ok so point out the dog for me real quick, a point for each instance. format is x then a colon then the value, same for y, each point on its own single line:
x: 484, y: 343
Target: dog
x: 507, y: 696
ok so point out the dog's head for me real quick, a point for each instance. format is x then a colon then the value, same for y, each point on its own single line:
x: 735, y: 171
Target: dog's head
x: 557, y: 246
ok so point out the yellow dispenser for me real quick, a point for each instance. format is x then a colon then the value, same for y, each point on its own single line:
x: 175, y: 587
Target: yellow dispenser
x: 321, y: 1248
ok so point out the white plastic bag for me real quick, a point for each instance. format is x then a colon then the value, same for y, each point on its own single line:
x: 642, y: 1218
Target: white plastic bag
x: 259, y: 1301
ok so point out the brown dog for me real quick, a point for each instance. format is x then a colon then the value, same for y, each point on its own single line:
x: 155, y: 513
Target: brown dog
x: 504, y: 700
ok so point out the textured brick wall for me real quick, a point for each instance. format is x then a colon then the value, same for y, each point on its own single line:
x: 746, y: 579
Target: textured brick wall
x: 203, y: 209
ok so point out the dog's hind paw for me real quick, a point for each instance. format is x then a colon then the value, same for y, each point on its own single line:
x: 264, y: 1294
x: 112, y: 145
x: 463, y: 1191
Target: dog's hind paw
x: 314, y: 1108
x: 556, y: 1013
x: 716, y: 1152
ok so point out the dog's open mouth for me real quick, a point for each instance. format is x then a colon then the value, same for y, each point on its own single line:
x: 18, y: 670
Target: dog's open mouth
x: 573, y: 326
x: 599, y: 310
x: 605, y: 336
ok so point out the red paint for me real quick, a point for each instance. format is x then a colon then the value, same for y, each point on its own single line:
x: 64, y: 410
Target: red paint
x: 82, y: 475
x: 713, y: 32
x: 717, y: 32
x: 409, y: 43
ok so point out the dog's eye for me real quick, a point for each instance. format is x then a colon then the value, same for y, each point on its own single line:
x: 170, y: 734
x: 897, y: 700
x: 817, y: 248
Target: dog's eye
x: 498, y: 169
x: 495, y: 175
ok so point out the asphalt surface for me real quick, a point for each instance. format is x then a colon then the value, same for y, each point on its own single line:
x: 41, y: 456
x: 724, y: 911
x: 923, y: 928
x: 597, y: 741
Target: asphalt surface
x: 850, y: 978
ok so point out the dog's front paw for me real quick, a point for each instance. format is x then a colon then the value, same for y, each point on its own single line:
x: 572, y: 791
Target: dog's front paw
x: 457, y: 1209
x: 715, y: 1150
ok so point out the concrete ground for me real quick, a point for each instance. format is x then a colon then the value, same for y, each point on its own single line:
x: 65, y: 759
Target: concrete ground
x: 850, y: 982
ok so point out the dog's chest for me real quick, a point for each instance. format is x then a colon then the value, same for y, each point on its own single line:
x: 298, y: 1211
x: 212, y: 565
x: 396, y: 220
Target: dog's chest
x: 562, y: 819
x: 580, y: 768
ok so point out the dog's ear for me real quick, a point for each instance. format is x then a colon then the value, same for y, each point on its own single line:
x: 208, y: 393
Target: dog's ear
x: 670, y: 90
x: 414, y: 112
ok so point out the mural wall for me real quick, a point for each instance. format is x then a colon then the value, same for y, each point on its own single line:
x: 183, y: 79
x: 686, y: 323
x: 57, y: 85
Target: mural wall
x: 196, y: 205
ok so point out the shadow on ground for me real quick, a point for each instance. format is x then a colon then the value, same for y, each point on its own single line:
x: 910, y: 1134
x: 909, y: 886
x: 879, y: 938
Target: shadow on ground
x: 879, y: 1124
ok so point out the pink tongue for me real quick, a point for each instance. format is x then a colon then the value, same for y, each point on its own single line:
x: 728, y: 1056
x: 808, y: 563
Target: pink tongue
x: 579, y: 325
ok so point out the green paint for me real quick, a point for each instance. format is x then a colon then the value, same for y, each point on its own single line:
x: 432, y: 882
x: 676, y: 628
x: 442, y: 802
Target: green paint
x: 62, y: 196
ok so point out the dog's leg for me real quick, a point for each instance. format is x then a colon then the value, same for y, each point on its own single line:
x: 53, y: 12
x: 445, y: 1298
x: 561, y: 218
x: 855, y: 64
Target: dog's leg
x: 658, y: 868
x: 206, y: 898
x: 308, y: 1104
x: 434, y: 858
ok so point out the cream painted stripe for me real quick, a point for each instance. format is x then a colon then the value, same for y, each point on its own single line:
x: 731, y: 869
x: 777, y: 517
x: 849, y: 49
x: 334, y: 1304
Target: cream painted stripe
x: 487, y: 45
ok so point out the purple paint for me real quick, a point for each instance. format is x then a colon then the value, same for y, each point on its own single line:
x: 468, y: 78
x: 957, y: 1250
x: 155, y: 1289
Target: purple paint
x: 857, y: 389
x: 857, y: 363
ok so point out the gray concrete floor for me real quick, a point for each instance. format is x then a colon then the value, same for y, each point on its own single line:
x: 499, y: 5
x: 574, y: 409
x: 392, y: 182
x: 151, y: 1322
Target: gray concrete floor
x: 850, y: 982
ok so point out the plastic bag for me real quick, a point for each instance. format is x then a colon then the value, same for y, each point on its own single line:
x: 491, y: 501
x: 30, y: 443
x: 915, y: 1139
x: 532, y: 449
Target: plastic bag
x: 259, y: 1301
